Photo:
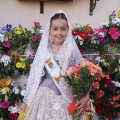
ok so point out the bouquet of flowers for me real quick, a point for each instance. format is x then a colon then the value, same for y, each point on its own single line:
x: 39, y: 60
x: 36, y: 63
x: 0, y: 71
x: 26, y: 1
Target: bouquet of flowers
x: 36, y: 36
x: 108, y: 35
x: 80, y: 79
x: 12, y: 65
x: 83, y: 38
x: 106, y: 91
x: 10, y: 95
x: 4, y: 43
x: 14, y: 39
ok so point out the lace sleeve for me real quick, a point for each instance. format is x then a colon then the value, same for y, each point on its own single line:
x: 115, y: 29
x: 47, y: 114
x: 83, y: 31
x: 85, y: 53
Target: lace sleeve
x: 76, y: 57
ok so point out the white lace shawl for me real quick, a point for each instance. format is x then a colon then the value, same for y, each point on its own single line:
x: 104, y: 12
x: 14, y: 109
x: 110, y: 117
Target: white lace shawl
x: 64, y: 56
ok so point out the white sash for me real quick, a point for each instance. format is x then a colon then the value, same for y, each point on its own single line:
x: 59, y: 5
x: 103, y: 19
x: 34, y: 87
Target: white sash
x: 54, y: 70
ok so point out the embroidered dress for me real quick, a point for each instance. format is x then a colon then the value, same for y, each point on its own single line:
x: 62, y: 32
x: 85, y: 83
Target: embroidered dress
x: 46, y: 105
x: 48, y: 102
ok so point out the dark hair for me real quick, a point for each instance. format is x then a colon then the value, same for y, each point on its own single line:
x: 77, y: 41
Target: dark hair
x: 58, y: 16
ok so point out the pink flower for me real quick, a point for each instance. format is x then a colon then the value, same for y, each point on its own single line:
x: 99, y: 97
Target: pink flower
x: 34, y: 38
x: 114, y: 33
x: 75, y: 70
x: 39, y: 37
x: 5, y: 104
x: 101, y: 31
x: 69, y: 71
x: 13, y: 116
x: 6, y: 44
x: 37, y: 24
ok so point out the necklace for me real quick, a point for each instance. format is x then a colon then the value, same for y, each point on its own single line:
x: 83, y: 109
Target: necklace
x: 53, y: 54
x: 58, y: 44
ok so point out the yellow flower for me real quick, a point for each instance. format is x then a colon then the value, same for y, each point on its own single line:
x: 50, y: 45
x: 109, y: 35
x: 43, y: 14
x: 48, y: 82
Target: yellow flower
x: 4, y: 84
x: 24, y: 31
x: 10, y: 36
x: 30, y: 64
x: 22, y: 59
x: 5, y: 90
x: 18, y: 65
x: 23, y: 65
x: 118, y: 14
x: 17, y: 31
x: 6, y: 98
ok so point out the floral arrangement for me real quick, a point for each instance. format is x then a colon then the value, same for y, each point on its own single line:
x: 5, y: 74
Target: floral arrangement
x: 14, y: 39
x: 36, y: 36
x: 13, y: 66
x: 108, y: 35
x: 106, y: 91
x: 83, y: 37
x: 80, y: 79
x: 10, y: 96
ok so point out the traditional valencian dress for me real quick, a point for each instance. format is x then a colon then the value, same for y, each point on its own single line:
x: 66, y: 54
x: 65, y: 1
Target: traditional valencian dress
x: 48, y: 103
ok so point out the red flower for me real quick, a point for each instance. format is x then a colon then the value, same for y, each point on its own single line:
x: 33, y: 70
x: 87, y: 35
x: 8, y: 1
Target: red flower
x: 72, y: 107
x: 9, y: 54
x: 13, y: 116
x: 99, y: 110
x: 118, y: 114
x: 89, y: 28
x: 83, y: 35
x: 96, y: 85
x: 16, y: 57
x: 100, y: 94
x: 74, y: 33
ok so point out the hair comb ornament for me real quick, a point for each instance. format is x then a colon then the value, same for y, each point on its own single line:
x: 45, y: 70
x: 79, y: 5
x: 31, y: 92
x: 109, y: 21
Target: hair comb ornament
x: 59, y: 11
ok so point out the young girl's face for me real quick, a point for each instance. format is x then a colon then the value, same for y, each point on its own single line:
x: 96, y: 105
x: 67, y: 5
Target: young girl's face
x: 59, y: 30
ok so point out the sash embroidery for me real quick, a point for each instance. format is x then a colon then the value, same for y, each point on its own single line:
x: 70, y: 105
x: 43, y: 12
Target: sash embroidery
x: 54, y: 70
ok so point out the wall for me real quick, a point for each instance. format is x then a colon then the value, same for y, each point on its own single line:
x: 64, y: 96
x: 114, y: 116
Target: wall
x: 27, y: 12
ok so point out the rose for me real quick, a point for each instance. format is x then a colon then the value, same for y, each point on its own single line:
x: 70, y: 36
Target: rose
x: 96, y: 85
x: 13, y: 116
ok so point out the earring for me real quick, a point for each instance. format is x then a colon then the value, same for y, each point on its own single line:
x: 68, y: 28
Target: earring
x: 50, y: 38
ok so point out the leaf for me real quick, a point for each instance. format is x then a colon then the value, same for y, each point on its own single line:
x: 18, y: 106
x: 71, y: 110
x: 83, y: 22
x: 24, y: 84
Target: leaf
x: 113, y: 50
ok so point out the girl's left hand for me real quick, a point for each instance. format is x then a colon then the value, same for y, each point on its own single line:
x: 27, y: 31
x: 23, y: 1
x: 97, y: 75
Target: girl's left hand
x: 82, y: 103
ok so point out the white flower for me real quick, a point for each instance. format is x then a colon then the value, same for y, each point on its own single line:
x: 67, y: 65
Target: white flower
x: 41, y: 31
x: 116, y: 20
x: 117, y: 84
x: 10, y: 108
x: 5, y: 59
x: 97, y: 58
x: 76, y: 26
x: 2, y: 37
x: 94, y: 42
x: 104, y: 24
x: 81, y: 42
x: 102, y: 34
x: 119, y: 61
x: 23, y: 92
x: 14, y: 110
x: 16, y: 90
x: 78, y: 37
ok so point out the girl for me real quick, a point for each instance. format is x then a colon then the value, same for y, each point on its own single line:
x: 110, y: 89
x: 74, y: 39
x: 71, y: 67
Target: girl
x: 48, y: 95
